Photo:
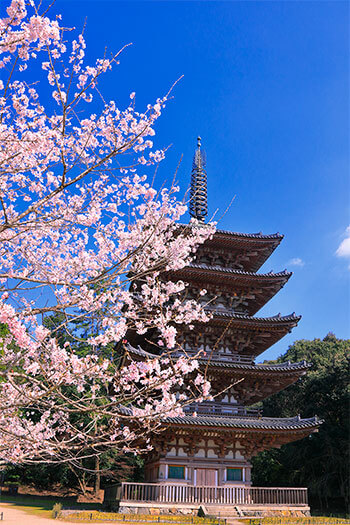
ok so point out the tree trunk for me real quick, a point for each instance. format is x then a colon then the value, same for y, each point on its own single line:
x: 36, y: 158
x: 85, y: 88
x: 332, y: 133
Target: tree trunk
x: 97, y: 477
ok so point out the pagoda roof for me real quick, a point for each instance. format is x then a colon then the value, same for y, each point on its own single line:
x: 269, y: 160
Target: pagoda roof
x: 241, y: 242
x: 280, y: 368
x: 252, y: 383
x: 235, y: 272
x: 237, y: 235
x: 256, y: 381
x: 259, y: 332
x: 254, y: 335
x: 251, y: 423
x: 258, y: 235
x: 274, y: 321
x: 140, y: 352
x: 226, y: 278
x: 257, y: 368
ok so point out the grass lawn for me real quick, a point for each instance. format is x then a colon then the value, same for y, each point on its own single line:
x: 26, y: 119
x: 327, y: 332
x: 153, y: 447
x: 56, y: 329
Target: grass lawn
x: 144, y: 519
x: 42, y: 505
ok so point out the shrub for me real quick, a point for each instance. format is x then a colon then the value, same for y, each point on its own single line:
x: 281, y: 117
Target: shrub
x: 201, y: 513
x: 56, y: 510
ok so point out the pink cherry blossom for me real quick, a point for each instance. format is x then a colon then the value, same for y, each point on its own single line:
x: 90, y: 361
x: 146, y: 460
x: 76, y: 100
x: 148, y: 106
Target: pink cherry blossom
x: 83, y: 234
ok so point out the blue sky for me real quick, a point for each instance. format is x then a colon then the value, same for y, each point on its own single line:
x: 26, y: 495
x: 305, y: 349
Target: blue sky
x: 266, y: 85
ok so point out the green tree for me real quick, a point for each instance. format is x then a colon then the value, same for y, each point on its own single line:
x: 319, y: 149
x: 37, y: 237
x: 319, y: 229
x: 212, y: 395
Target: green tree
x: 319, y: 462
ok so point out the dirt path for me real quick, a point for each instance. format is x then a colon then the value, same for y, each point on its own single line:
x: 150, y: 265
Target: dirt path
x: 16, y: 516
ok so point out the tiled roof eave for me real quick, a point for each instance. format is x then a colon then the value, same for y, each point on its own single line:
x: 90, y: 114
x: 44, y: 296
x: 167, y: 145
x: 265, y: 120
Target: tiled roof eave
x: 211, y: 363
x: 251, y: 320
x: 278, y: 368
x: 191, y: 268
x: 239, y: 423
x: 239, y: 235
x: 270, y: 236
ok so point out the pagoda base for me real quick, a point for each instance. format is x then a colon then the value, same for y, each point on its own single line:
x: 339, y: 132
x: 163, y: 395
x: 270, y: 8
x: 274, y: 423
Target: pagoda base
x: 220, y: 510
x: 165, y: 498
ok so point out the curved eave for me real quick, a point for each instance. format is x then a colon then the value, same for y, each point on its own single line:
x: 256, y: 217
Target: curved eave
x: 253, y: 383
x: 227, y: 236
x: 212, y: 273
x: 277, y: 321
x: 248, y: 423
x: 239, y: 235
x: 138, y: 352
x: 256, y: 369
x: 233, y: 241
x: 267, y: 284
x: 226, y: 366
x: 263, y: 332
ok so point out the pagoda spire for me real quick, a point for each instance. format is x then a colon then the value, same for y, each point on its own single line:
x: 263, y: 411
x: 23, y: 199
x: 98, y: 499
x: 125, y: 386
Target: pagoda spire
x: 198, y: 190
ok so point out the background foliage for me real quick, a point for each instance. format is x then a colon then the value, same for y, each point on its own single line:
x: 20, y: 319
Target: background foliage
x: 321, y: 461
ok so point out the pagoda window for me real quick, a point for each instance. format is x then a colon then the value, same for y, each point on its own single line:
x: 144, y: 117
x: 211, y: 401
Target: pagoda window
x: 176, y: 472
x: 234, y: 474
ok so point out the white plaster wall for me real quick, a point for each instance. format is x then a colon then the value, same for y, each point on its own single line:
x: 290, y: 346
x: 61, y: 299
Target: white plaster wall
x: 172, y: 452
x: 239, y: 455
x: 181, y: 452
x: 211, y: 443
x: 211, y: 453
x: 200, y: 453
x: 162, y: 470
x: 230, y: 454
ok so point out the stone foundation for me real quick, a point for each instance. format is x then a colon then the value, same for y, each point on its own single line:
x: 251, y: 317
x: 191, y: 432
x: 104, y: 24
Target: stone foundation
x: 215, y: 510
x: 270, y: 510
x: 156, y: 509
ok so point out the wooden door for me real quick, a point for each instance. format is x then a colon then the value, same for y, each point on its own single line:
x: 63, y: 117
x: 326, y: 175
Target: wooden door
x: 206, y: 477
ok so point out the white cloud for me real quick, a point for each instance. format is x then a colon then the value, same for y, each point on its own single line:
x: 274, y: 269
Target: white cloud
x: 344, y: 247
x: 296, y: 261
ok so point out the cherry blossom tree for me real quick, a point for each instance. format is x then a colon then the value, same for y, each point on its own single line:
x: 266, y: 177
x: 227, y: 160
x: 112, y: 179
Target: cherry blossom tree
x: 84, y: 236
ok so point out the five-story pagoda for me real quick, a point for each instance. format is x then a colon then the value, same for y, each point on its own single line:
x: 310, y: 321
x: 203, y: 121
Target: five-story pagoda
x: 212, y: 444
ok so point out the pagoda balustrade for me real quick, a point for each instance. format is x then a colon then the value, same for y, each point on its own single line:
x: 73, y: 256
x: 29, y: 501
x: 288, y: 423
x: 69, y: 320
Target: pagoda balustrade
x: 222, y: 409
x: 227, y: 309
x: 217, y: 355
x: 128, y: 492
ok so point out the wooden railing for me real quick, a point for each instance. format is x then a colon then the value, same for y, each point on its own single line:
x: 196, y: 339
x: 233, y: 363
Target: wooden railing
x: 222, y: 409
x: 225, y: 495
x: 218, y: 356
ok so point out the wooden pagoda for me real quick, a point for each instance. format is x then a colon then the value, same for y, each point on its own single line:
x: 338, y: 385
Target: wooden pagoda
x: 212, y: 444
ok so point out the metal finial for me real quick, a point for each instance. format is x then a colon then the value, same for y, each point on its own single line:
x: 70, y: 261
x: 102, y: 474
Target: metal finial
x: 198, y: 191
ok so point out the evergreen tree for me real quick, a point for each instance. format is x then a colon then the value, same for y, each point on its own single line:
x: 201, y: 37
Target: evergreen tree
x: 320, y: 461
